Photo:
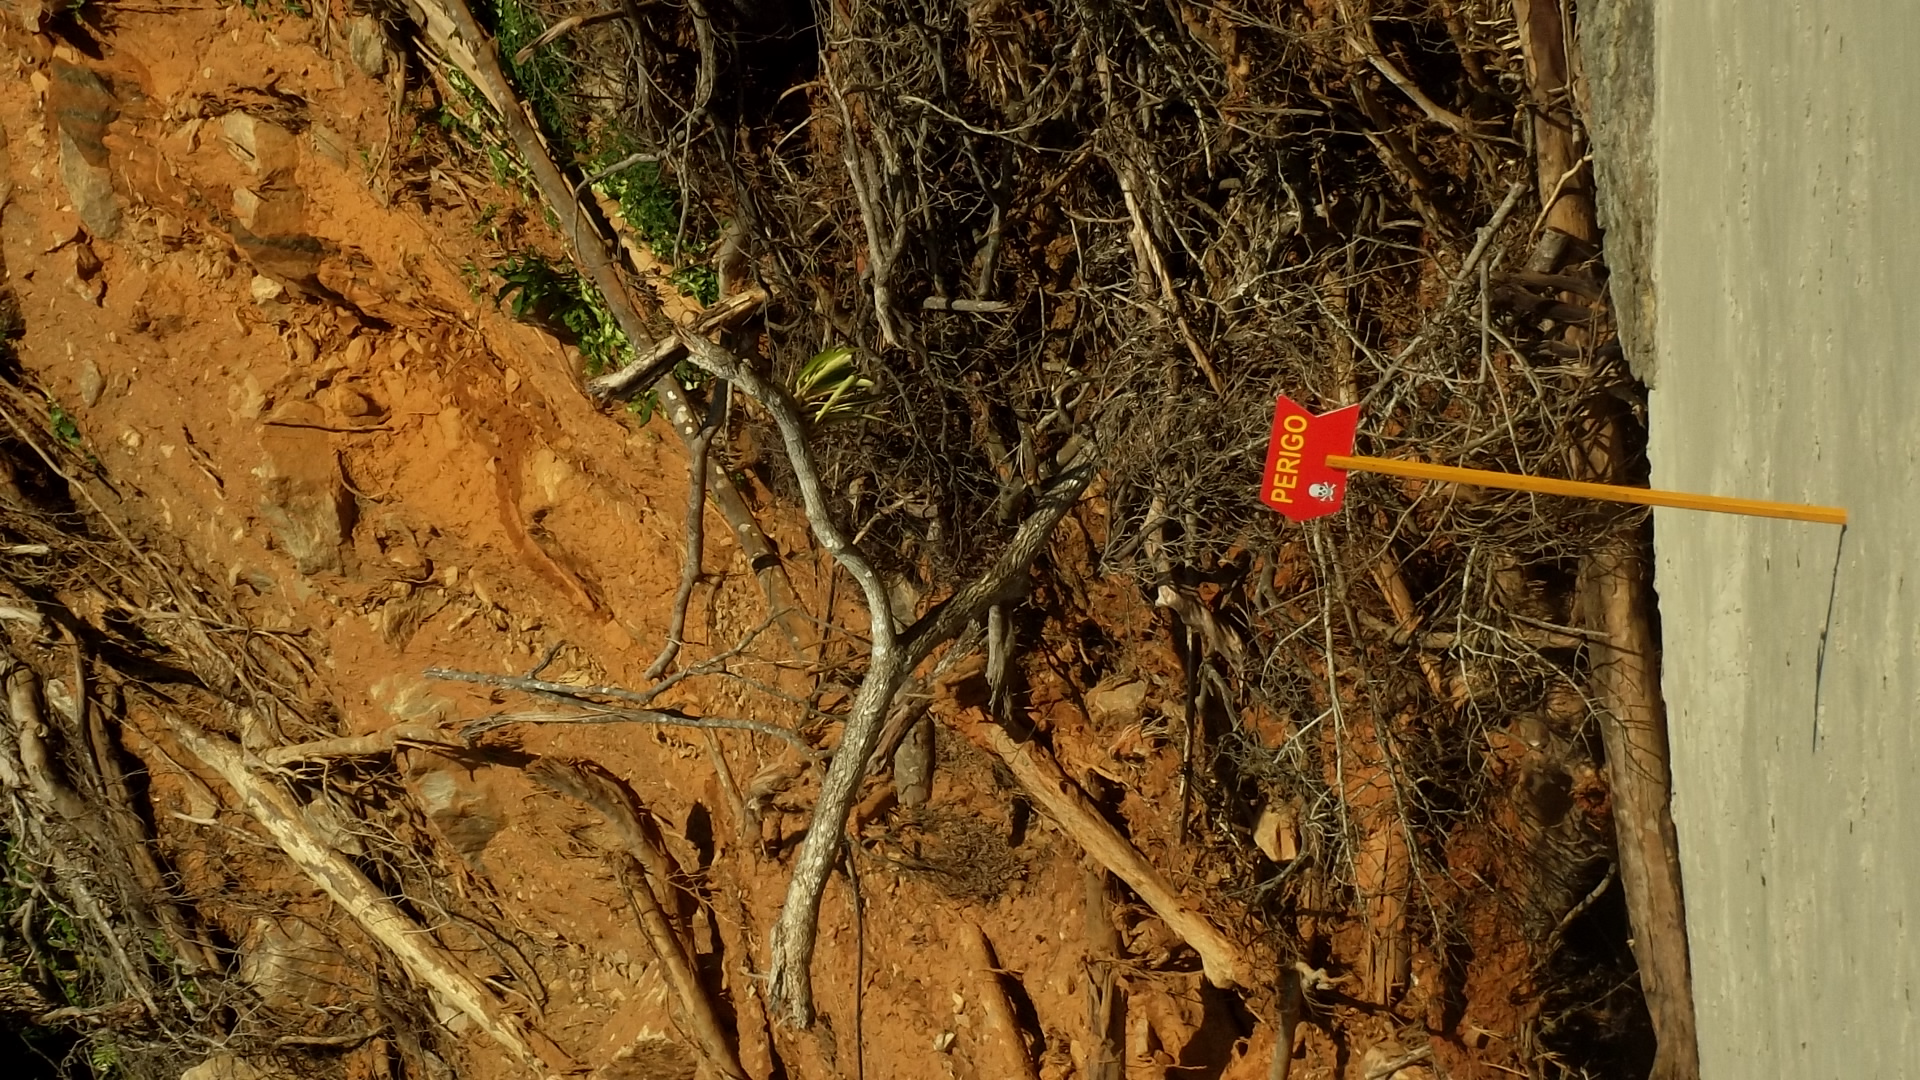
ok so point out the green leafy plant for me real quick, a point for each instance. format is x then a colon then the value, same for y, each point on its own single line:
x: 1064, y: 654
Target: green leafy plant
x: 831, y: 388
x: 651, y: 207
x: 103, y: 1054
x: 540, y: 290
x: 701, y: 282
x: 544, y: 80
x: 62, y: 423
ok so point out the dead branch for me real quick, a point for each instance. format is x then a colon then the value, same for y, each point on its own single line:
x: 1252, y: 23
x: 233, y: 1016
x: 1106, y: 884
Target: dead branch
x: 696, y: 533
x: 647, y: 369
x: 559, y: 30
x: 1068, y: 805
x: 613, y: 801
x: 1106, y: 994
x: 978, y: 307
x: 1001, y: 1027
x: 1388, y: 1068
x: 1291, y: 1006
x: 149, y: 905
x: 410, y: 943
x: 1145, y: 243
x: 606, y: 714
x: 1617, y: 595
x: 891, y: 658
x: 1367, y: 45
x: 380, y: 742
x: 9, y: 613
x: 871, y: 195
x: 42, y: 774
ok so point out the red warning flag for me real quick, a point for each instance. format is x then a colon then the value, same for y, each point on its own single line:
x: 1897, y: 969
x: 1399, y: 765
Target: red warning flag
x: 1299, y: 482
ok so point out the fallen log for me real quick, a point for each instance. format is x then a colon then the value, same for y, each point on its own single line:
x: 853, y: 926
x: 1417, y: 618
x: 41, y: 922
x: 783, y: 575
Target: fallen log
x: 1015, y: 1063
x: 614, y: 802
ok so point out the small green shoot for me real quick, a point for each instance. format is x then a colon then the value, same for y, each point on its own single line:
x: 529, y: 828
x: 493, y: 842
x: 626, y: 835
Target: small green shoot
x: 62, y: 423
x: 831, y: 388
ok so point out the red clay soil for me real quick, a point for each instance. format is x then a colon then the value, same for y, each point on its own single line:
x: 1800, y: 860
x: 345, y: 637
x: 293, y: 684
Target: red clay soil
x: 492, y: 513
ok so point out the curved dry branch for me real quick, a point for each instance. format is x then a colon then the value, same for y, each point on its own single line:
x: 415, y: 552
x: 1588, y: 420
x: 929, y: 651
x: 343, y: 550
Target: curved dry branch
x: 892, y: 658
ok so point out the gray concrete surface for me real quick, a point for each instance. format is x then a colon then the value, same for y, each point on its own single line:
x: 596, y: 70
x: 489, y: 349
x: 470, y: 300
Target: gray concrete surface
x: 1785, y: 269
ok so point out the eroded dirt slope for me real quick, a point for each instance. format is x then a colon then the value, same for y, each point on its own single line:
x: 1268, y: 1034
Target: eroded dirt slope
x: 264, y: 326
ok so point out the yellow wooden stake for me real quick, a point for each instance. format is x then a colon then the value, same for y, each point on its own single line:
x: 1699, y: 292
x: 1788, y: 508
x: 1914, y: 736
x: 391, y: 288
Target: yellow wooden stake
x: 1451, y: 474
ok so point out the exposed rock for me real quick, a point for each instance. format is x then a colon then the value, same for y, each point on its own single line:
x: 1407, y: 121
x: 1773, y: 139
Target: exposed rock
x: 30, y: 13
x: 367, y: 45
x: 266, y: 290
x: 82, y: 106
x: 303, y: 498
x: 397, y: 620
x: 305, y: 351
x: 351, y: 403
x: 1115, y: 704
x: 85, y: 273
x: 92, y: 383
x: 1277, y: 833
x: 329, y: 144
x: 291, y: 258
x: 265, y: 148
x: 464, y: 813
x: 246, y: 206
x: 295, y: 967
x: 412, y: 702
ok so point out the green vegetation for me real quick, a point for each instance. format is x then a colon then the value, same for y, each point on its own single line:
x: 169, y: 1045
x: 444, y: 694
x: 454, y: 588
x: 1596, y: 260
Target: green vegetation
x: 542, y: 290
x: 831, y: 388
x: 296, y: 8
x: 544, y: 79
x: 652, y: 208
x: 62, y: 424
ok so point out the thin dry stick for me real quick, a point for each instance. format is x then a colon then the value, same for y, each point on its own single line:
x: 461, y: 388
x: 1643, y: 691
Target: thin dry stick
x: 743, y: 819
x: 380, y: 742
x: 559, y: 30
x: 615, y: 802
x: 1553, y: 196
x: 696, y: 533
x: 1369, y: 47
x: 1487, y: 233
x: 864, y: 176
x: 1145, y: 244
